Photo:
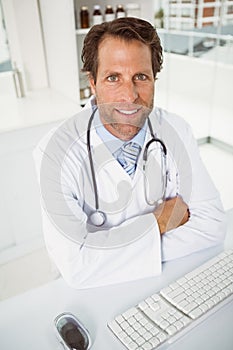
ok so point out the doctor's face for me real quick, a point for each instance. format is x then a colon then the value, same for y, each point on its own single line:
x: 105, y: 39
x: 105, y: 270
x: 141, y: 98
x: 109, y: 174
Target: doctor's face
x: 124, y: 86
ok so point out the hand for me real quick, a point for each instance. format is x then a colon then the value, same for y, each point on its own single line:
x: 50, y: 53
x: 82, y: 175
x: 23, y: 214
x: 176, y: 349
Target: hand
x: 171, y: 214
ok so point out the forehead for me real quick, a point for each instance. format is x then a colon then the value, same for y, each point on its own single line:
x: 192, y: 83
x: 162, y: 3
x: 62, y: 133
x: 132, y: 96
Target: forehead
x: 118, y: 51
x: 114, y: 42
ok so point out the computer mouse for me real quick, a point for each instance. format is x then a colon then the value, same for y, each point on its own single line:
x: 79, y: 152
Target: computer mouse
x: 71, y: 333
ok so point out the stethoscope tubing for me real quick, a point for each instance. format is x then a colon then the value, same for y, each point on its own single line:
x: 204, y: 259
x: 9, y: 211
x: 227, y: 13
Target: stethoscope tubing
x: 91, y: 159
x: 145, y: 155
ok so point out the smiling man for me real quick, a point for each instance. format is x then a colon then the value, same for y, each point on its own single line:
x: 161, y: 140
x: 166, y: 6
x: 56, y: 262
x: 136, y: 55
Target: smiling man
x: 123, y: 187
x: 123, y: 82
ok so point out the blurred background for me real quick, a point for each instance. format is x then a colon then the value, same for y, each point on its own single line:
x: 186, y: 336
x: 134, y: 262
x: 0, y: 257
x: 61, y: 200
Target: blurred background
x: 41, y: 84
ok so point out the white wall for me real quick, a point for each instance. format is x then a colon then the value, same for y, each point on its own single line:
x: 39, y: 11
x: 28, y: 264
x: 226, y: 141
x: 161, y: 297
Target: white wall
x: 60, y: 44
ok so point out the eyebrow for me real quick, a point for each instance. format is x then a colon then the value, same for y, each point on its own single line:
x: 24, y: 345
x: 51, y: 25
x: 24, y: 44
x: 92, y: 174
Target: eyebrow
x: 108, y: 72
x: 144, y: 71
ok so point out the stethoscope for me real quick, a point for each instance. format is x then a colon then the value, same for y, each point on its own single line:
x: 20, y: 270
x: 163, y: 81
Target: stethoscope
x: 98, y: 217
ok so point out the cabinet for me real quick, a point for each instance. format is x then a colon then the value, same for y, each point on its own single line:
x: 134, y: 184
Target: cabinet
x: 63, y: 40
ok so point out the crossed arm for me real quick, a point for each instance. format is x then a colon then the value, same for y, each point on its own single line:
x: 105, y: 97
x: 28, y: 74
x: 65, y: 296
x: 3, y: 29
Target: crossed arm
x: 171, y: 214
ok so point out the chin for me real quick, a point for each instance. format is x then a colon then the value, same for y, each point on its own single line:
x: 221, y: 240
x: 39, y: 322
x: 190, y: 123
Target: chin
x: 125, y: 131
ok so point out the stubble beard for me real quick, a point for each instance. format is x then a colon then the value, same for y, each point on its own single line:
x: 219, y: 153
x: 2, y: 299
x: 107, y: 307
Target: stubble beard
x: 125, y: 127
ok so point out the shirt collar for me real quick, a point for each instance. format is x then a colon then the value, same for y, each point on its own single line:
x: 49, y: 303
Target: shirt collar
x: 112, y: 142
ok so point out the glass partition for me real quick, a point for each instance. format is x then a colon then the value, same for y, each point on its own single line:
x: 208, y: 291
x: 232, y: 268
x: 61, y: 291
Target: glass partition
x: 5, y: 61
x: 196, y: 81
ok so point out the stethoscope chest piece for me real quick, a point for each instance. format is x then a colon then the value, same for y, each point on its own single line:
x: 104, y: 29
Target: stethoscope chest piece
x: 97, y: 218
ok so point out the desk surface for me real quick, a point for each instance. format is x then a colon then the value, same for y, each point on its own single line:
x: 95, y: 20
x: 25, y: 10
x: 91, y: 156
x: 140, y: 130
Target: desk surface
x: 26, y: 321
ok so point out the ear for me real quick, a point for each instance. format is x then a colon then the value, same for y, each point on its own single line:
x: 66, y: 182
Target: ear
x: 92, y: 85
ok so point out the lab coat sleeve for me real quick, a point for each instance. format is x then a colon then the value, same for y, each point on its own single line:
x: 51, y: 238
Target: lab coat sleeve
x: 207, y: 223
x: 92, y: 267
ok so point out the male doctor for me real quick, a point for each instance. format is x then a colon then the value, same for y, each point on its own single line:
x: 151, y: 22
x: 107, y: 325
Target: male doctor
x: 123, y: 187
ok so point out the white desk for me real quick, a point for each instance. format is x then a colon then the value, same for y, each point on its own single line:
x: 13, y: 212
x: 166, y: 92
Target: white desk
x: 26, y: 321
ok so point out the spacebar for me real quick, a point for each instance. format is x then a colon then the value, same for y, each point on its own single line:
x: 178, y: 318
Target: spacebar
x: 153, y: 315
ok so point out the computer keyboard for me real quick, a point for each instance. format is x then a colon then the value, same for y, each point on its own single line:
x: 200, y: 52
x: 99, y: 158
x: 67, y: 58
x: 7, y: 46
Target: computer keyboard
x: 168, y: 314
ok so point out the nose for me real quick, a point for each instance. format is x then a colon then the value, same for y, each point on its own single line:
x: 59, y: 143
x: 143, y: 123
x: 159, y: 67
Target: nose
x: 129, y: 91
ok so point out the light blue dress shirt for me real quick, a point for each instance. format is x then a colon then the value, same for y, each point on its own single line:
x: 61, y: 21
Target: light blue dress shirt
x: 113, y: 143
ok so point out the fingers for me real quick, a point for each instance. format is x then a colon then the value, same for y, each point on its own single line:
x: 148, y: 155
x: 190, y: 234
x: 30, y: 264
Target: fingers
x: 171, y: 214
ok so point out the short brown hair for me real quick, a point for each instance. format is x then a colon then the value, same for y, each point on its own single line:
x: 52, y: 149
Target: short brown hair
x: 128, y: 28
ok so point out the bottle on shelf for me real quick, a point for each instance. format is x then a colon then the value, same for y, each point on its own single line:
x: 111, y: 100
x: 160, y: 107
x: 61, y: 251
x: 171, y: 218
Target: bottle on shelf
x: 84, y: 17
x: 109, y: 14
x: 97, y: 17
x: 120, y: 12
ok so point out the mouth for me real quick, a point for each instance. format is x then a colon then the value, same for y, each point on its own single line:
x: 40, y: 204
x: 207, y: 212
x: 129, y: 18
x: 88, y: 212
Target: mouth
x: 128, y: 112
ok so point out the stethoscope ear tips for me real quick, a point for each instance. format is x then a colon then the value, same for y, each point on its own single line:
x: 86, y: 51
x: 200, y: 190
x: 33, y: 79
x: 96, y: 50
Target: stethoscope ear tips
x: 97, y: 218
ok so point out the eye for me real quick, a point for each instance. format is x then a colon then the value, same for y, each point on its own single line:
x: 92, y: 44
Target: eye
x: 112, y: 78
x: 141, y: 77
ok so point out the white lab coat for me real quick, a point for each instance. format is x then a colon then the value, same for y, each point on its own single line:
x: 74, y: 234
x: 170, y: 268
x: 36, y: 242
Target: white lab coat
x: 128, y: 246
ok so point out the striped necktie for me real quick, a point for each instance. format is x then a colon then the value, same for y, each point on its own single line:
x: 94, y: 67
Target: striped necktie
x: 128, y: 158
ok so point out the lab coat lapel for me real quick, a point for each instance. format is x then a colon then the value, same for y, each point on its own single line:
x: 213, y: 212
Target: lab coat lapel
x: 103, y: 157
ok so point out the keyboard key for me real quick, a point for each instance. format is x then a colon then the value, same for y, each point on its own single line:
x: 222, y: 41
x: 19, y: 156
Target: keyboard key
x: 131, y: 312
x: 140, y: 341
x: 155, y: 341
x: 164, y: 324
x: 147, y: 346
x: 136, y: 326
x: 171, y: 329
x: 185, y: 320
x: 119, y: 319
x: 115, y: 327
x: 154, y: 331
x: 131, y: 321
x: 143, y: 305
x: 161, y: 337
x: 147, y: 335
x: 132, y: 346
x: 127, y: 340
x: 196, y: 313
x: 135, y: 335
x: 148, y: 326
x: 124, y: 325
x: 129, y: 330
x: 179, y: 325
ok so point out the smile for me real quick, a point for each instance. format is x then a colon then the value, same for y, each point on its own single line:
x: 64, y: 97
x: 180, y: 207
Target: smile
x: 128, y: 112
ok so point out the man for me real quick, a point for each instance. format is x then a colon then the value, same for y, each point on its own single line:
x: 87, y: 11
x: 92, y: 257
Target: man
x: 125, y: 188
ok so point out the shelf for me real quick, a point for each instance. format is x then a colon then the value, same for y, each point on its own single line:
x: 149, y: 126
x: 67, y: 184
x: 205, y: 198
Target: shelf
x: 38, y: 107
